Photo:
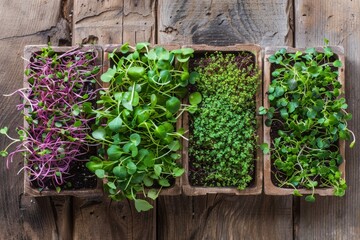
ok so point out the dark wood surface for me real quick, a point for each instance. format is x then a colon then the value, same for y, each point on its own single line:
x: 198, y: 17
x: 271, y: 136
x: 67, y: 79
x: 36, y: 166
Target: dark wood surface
x: 297, y: 23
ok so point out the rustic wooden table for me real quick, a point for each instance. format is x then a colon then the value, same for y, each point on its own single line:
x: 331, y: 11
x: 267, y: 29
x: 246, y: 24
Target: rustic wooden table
x: 267, y: 22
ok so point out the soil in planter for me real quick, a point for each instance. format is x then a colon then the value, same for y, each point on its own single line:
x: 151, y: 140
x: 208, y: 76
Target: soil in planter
x: 79, y: 178
x: 229, y: 106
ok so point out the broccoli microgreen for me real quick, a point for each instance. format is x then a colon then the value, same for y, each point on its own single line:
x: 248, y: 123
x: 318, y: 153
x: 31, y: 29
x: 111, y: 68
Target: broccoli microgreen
x: 222, y: 143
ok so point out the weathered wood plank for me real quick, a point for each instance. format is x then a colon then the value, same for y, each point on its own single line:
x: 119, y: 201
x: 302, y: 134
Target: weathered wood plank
x: 224, y: 217
x: 107, y: 22
x: 112, y: 22
x: 225, y: 23
x: 139, y: 21
x: 31, y: 22
x: 104, y: 219
x: 97, y: 21
x: 331, y: 217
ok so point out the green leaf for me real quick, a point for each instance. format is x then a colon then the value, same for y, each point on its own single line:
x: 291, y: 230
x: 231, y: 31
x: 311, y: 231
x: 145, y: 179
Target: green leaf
x: 326, y: 41
x: 187, y: 51
x: 152, y: 194
x: 114, y: 152
x: 4, y: 130
x: 142, y: 205
x: 120, y: 172
x: 111, y: 185
x: 311, y: 113
x: 297, y: 193
x: 58, y: 189
x: 337, y: 63
x: 165, y: 76
x: 77, y: 123
x: 115, y: 124
x: 3, y: 153
x: 292, y: 106
x: 328, y: 51
x: 284, y: 114
x: 173, y: 104
x: 310, y: 198
x: 279, y: 91
x: 136, y: 73
x: 100, y: 173
x: 142, y: 45
x: 151, y: 55
x: 134, y: 150
x: 157, y: 169
x: 99, y: 133
x: 292, y: 84
x: 195, y: 98
x: 149, y: 160
x: 131, y: 167
x: 182, y: 59
x: 75, y: 110
x: 262, y: 110
x: 108, y: 75
x: 135, y: 139
x: 164, y: 182
x: 148, y: 182
x: 265, y: 148
x: 177, y: 172
x: 153, y: 100
x: 124, y: 48
x: 94, y: 164
x: 272, y: 59
x: 174, y: 146
x: 194, y: 76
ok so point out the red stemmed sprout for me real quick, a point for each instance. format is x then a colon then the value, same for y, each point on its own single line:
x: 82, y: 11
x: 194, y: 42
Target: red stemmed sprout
x: 58, y: 100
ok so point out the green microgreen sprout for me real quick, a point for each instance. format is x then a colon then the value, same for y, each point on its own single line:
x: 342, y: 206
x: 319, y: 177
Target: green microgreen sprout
x: 136, y: 121
x: 308, y: 118
x: 222, y: 145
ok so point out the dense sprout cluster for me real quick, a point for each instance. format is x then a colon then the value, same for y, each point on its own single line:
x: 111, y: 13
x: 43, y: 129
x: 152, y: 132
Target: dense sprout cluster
x: 222, y: 145
x: 308, y: 119
x: 139, y: 110
x: 60, y: 94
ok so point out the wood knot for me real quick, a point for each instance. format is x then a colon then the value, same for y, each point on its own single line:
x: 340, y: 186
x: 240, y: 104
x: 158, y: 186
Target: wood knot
x: 170, y: 30
x: 91, y: 39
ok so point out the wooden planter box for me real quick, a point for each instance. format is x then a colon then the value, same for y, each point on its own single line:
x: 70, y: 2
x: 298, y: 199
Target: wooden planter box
x: 256, y: 187
x: 28, y: 189
x: 269, y: 187
x: 175, y: 189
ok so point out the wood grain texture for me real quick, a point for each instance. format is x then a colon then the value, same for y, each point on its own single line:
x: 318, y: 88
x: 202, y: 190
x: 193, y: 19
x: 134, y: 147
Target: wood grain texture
x: 113, y: 22
x: 225, y: 22
x: 105, y: 219
x: 139, y: 21
x: 339, y: 21
x: 225, y: 216
x: 30, y: 22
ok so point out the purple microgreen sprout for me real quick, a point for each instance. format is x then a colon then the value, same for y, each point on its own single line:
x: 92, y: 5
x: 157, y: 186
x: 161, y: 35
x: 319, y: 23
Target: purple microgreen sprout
x: 56, y: 105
